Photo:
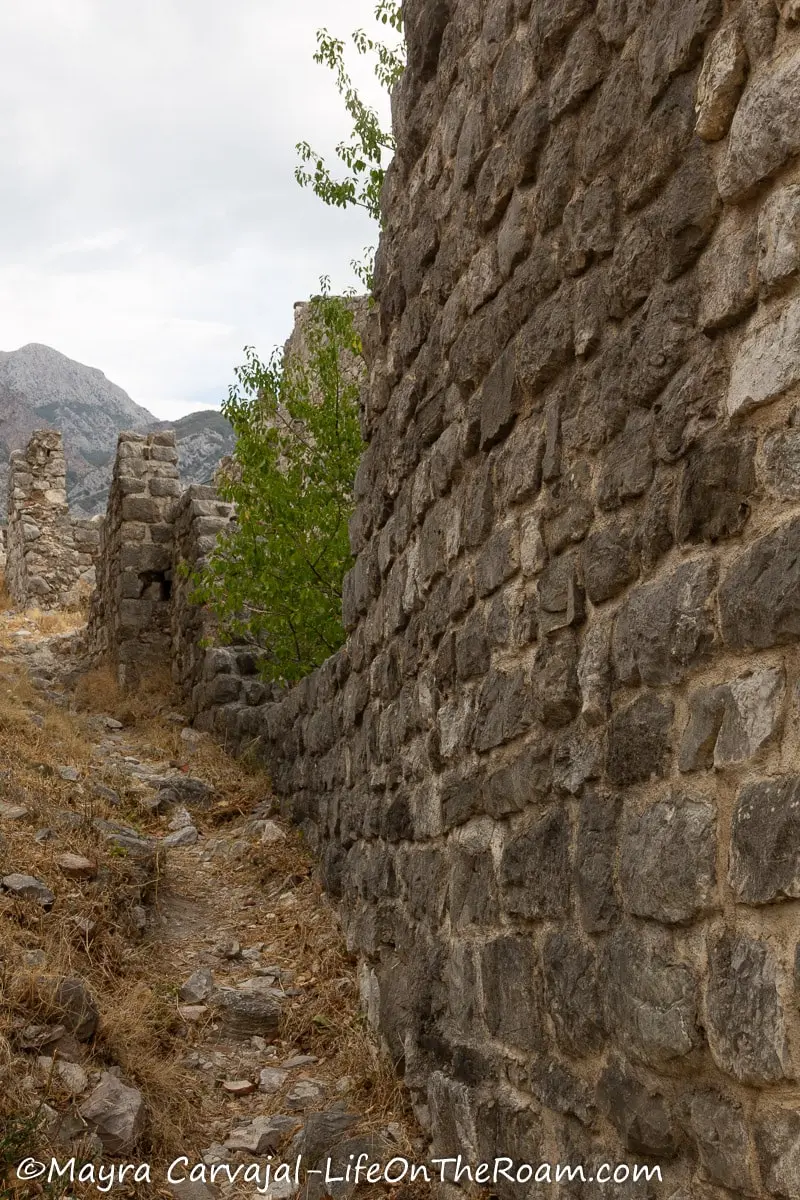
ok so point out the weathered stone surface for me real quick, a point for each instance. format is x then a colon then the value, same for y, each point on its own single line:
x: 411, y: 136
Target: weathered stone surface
x: 651, y: 996
x: 706, y: 713
x: 535, y: 868
x: 753, y: 706
x: 759, y: 597
x: 728, y: 272
x: 512, y: 1003
x: 780, y: 465
x: 594, y: 673
x: 247, y: 1014
x: 640, y: 1113
x: 778, y: 1146
x: 640, y: 740
x: 720, y: 83
x: 25, y: 887
x: 668, y: 860
x: 116, y: 1113
x: 779, y: 238
x: 765, y: 841
x: 572, y: 993
x: 721, y: 1135
x: 609, y: 562
x: 768, y: 360
x: 764, y: 131
x: 745, y: 1021
x: 666, y: 626
x: 718, y: 480
x: 594, y: 859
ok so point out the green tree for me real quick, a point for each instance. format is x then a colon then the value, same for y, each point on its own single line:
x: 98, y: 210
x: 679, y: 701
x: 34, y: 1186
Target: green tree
x: 358, y: 178
x: 276, y: 578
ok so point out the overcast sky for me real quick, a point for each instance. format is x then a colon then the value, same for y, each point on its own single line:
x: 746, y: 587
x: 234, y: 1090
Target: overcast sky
x: 150, y: 222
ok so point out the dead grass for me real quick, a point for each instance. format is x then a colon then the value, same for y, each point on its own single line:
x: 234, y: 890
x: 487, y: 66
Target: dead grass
x: 135, y: 983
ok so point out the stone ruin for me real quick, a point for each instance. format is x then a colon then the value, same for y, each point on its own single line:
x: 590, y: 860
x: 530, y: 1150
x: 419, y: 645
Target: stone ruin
x: 552, y: 777
x: 49, y: 556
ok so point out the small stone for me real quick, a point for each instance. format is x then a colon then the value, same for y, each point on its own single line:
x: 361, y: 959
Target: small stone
x: 271, y: 1079
x: 25, y: 887
x: 77, y: 1006
x: 239, y: 1087
x: 244, y: 1014
x: 192, y: 1012
x: 112, y: 723
x: 191, y: 737
x: 299, y: 1060
x: 75, y: 866
x: 187, y: 835
x: 198, y: 987
x: 117, y: 1114
x: 35, y: 1037
x: 229, y: 949
x: 180, y: 820
x: 13, y: 812
x: 262, y: 1136
x: 71, y: 1076
x: 304, y: 1094
x: 272, y: 833
x: 71, y: 774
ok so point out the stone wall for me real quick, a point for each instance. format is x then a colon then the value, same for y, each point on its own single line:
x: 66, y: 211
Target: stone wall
x: 553, y: 776
x: 129, y: 618
x: 50, y: 557
x: 209, y: 675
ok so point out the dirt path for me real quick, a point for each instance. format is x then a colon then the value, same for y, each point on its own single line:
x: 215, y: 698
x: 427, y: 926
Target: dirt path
x: 227, y: 1020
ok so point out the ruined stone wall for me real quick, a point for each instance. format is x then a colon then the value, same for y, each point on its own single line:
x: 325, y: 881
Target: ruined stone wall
x: 553, y: 776
x: 209, y: 675
x: 50, y: 557
x: 129, y: 618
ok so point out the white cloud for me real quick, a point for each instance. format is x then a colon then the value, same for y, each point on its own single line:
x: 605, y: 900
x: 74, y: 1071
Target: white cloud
x: 150, y: 224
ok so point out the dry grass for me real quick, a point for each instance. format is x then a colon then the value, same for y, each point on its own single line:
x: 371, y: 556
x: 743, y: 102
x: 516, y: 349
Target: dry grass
x: 135, y: 983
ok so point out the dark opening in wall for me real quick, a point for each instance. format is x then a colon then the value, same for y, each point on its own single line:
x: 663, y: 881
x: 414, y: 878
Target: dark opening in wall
x: 155, y: 585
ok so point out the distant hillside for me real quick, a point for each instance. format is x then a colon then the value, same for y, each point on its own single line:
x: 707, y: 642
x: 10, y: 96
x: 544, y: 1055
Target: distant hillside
x: 39, y: 387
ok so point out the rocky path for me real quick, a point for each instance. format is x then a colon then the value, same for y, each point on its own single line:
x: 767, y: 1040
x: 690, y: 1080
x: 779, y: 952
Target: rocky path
x: 173, y: 983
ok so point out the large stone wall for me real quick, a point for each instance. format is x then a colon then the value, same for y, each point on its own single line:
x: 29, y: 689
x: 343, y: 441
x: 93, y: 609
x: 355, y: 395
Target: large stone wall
x: 50, y: 556
x: 129, y: 618
x: 553, y: 776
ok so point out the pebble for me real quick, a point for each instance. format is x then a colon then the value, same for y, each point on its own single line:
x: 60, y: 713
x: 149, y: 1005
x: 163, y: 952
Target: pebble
x: 192, y: 1012
x: 239, y: 1087
x: 271, y: 1079
x: 180, y: 820
x: 112, y: 723
x: 187, y: 835
x: 13, y: 812
x: 71, y: 774
x: 198, y: 987
x: 299, y: 1060
x: 272, y: 833
x: 25, y: 887
x: 305, y: 1093
x: 75, y: 866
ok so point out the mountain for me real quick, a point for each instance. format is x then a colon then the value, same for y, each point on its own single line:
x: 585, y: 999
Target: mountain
x: 41, y: 388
